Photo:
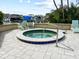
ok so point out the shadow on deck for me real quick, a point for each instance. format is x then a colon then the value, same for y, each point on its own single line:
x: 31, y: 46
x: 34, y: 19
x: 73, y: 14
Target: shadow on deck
x: 2, y: 36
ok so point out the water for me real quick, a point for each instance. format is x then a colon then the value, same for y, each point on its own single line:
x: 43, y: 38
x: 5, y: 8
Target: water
x: 39, y: 34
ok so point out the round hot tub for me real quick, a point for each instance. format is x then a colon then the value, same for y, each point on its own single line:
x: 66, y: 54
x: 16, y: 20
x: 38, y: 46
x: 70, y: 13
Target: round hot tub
x: 39, y: 36
x: 39, y: 33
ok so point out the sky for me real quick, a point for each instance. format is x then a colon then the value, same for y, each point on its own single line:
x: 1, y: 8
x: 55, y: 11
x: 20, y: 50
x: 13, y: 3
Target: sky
x: 25, y: 7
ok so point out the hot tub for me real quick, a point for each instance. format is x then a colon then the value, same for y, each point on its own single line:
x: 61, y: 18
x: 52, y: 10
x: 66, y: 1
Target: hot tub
x: 39, y: 35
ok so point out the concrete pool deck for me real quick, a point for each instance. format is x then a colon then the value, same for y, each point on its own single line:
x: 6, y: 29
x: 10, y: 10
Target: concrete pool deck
x: 12, y: 48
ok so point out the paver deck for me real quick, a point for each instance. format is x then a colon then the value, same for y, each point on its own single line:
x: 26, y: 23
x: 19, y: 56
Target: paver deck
x: 12, y: 48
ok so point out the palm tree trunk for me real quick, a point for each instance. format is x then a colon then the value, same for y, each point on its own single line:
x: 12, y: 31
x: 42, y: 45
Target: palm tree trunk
x: 55, y: 4
x: 62, y: 3
x: 62, y: 9
x: 68, y: 3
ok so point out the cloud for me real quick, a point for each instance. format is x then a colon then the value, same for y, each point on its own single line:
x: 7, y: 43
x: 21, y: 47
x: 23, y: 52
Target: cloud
x: 41, y: 4
x: 47, y: 4
x: 36, y: 7
x: 27, y: 1
x: 21, y: 1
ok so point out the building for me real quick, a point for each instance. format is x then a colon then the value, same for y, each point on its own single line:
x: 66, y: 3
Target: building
x: 12, y: 18
x: 38, y: 18
x: 16, y: 18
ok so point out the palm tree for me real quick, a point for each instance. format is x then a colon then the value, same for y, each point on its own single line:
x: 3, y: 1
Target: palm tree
x: 68, y: 3
x: 55, y: 4
x: 62, y: 10
x: 77, y: 2
x: 62, y: 3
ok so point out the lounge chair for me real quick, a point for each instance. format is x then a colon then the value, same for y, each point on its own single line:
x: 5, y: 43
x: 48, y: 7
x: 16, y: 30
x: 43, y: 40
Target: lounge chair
x: 75, y: 26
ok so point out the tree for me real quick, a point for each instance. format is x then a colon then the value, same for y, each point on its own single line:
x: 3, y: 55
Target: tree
x: 1, y: 17
x: 64, y: 14
x: 68, y: 3
x: 55, y: 4
x: 73, y: 11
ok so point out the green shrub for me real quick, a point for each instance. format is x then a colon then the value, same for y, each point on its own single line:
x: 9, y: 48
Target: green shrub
x: 1, y: 17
